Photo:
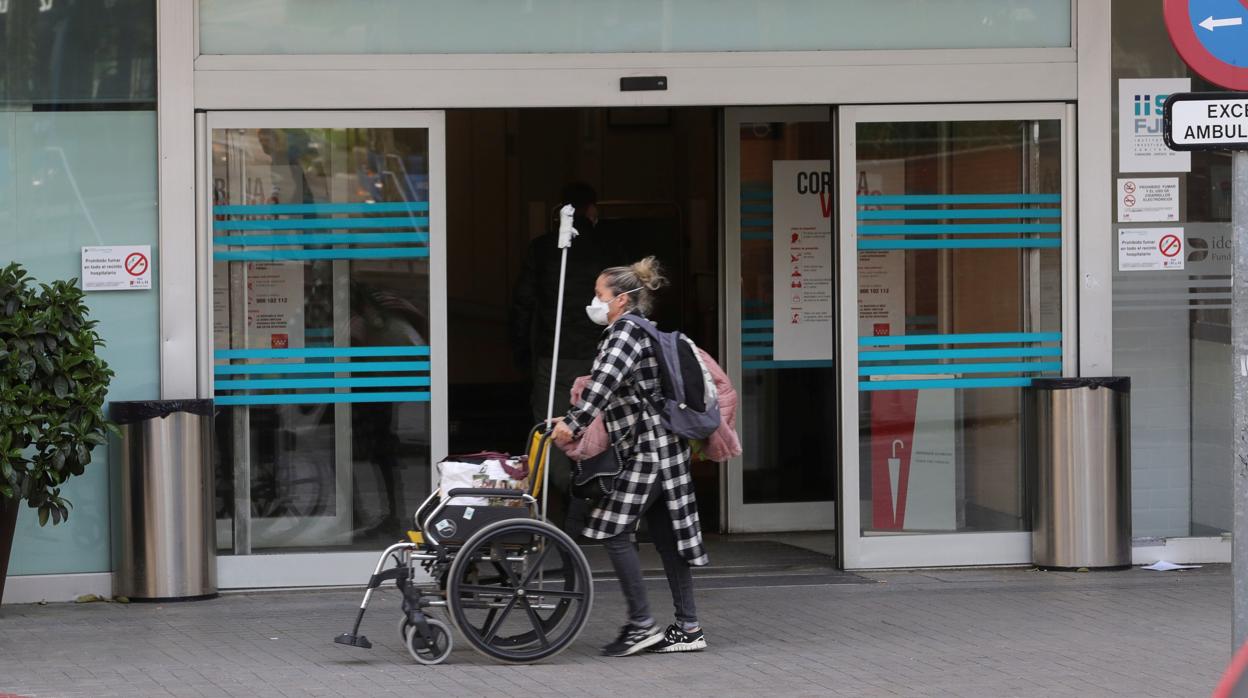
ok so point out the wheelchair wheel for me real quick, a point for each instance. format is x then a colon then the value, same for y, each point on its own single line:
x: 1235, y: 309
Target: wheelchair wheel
x: 435, y: 651
x: 520, y: 590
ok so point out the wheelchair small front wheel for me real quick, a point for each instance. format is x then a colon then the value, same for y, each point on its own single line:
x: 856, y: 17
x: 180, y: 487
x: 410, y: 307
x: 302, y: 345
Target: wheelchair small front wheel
x: 437, y: 649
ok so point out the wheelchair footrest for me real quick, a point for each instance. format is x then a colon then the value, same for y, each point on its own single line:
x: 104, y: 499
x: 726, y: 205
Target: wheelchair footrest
x: 354, y: 641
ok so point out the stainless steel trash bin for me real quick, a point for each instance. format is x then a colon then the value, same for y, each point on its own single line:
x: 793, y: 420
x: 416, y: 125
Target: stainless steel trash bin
x: 168, y: 536
x: 1081, y: 494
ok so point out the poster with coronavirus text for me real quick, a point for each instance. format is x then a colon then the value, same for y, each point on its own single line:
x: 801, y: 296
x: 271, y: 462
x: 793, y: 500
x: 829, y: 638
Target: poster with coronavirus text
x: 802, y: 197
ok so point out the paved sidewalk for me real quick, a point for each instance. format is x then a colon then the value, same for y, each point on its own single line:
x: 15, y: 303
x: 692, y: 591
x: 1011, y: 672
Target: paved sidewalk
x: 797, y: 631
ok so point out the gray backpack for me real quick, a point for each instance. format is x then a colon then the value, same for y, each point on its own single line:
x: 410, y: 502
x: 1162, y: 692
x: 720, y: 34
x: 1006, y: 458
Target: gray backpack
x: 687, y: 403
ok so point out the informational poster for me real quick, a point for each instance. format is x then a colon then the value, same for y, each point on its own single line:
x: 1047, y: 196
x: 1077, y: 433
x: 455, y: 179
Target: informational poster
x: 881, y: 273
x: 881, y: 293
x: 221, y: 305
x: 1150, y: 249
x: 275, y: 305
x: 118, y: 268
x: 914, y: 459
x: 802, y: 197
x: 1140, y: 144
x: 1148, y: 200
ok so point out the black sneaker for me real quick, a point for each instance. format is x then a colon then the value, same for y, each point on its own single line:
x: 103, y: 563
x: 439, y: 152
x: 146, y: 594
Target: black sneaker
x: 632, y: 640
x: 676, y: 639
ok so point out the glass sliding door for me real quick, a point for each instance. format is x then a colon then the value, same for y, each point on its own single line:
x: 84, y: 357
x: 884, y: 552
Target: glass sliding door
x: 781, y: 302
x: 958, y: 244
x: 327, y: 328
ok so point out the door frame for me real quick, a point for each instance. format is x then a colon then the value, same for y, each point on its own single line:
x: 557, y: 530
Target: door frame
x: 946, y: 549
x: 739, y: 516
x: 276, y: 569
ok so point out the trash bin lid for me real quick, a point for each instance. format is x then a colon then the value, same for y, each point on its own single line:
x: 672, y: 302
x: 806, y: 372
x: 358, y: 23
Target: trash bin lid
x: 1121, y: 384
x: 129, y: 412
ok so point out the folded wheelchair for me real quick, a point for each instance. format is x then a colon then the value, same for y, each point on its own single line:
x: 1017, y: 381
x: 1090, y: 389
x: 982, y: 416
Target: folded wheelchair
x: 517, y: 588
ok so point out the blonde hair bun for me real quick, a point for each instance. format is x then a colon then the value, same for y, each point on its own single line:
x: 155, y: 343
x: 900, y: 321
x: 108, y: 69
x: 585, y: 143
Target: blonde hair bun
x: 649, y: 273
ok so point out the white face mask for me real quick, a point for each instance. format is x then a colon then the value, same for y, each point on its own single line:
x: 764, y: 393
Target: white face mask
x: 598, y: 310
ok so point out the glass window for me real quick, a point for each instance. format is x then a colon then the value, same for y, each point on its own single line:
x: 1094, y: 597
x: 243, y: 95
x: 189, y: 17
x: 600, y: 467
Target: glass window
x: 959, y: 273
x: 1172, y: 328
x: 612, y: 26
x: 789, y: 451
x: 62, y: 187
x: 321, y: 323
x: 68, y: 52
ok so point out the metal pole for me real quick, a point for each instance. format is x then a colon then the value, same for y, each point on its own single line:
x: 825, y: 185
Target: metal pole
x: 566, y: 233
x: 1239, y: 339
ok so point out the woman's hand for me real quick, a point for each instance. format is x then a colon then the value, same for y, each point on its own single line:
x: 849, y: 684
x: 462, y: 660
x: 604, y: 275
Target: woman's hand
x: 562, y: 434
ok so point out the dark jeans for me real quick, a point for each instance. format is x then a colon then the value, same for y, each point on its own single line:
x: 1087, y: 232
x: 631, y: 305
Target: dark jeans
x: 623, y: 553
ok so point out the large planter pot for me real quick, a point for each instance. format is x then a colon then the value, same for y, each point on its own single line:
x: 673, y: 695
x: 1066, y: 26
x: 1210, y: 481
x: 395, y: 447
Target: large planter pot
x: 8, y: 526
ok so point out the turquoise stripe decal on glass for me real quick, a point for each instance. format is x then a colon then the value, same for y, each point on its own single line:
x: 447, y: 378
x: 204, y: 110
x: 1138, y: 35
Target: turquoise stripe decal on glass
x: 934, y: 383
x: 951, y: 213
x: 1020, y: 243
x: 756, y: 208
x: 920, y: 369
x: 959, y: 229
x: 319, y: 239
x: 936, y: 199
x: 938, y: 354
x: 762, y: 365
x: 289, y: 209
x: 319, y: 398
x: 982, y: 338
x: 320, y: 352
x: 327, y: 368
x: 324, y: 223
x: 304, y: 383
x: 758, y: 337
x: 757, y: 351
x: 357, y: 253
x: 757, y: 324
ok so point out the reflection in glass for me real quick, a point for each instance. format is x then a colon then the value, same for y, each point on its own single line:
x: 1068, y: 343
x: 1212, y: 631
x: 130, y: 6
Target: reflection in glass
x: 75, y: 52
x: 321, y: 326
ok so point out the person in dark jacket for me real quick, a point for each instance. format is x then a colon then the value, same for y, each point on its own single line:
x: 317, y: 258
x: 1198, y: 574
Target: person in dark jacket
x: 655, y: 483
x: 532, y: 321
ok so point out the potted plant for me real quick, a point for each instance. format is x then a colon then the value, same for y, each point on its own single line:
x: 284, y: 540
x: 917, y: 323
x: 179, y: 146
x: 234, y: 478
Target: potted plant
x: 52, y: 389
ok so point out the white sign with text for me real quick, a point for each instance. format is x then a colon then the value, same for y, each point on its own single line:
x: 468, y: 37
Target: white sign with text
x: 117, y: 268
x: 1150, y: 249
x: 802, y: 196
x: 1150, y: 200
x: 1141, y: 147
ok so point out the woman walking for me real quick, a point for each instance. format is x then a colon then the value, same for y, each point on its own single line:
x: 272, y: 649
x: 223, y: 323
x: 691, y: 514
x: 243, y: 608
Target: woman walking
x: 656, y: 483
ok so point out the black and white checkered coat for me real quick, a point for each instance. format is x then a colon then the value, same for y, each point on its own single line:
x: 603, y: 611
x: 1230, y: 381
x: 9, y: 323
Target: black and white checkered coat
x: 626, y: 370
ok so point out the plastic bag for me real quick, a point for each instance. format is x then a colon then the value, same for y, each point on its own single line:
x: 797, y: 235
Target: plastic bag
x: 490, y: 470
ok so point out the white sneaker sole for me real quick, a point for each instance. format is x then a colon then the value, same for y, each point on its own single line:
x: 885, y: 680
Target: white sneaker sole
x: 640, y: 645
x: 698, y: 644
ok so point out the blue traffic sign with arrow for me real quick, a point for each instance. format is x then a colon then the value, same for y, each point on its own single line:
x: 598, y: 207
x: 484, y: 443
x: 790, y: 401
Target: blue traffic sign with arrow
x: 1212, y: 38
x: 1220, y: 27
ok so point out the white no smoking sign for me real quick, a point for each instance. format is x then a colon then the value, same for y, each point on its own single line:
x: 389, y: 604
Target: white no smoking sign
x: 120, y: 268
x: 1150, y: 249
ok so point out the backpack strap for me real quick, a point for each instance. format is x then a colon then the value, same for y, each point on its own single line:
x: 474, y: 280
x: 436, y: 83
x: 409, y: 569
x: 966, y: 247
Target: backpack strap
x: 652, y: 330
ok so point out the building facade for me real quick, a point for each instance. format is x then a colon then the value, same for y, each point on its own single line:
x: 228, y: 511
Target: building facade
x: 884, y: 218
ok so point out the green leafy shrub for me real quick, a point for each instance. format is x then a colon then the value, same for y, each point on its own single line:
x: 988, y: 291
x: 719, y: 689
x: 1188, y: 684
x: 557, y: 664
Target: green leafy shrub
x: 52, y: 389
